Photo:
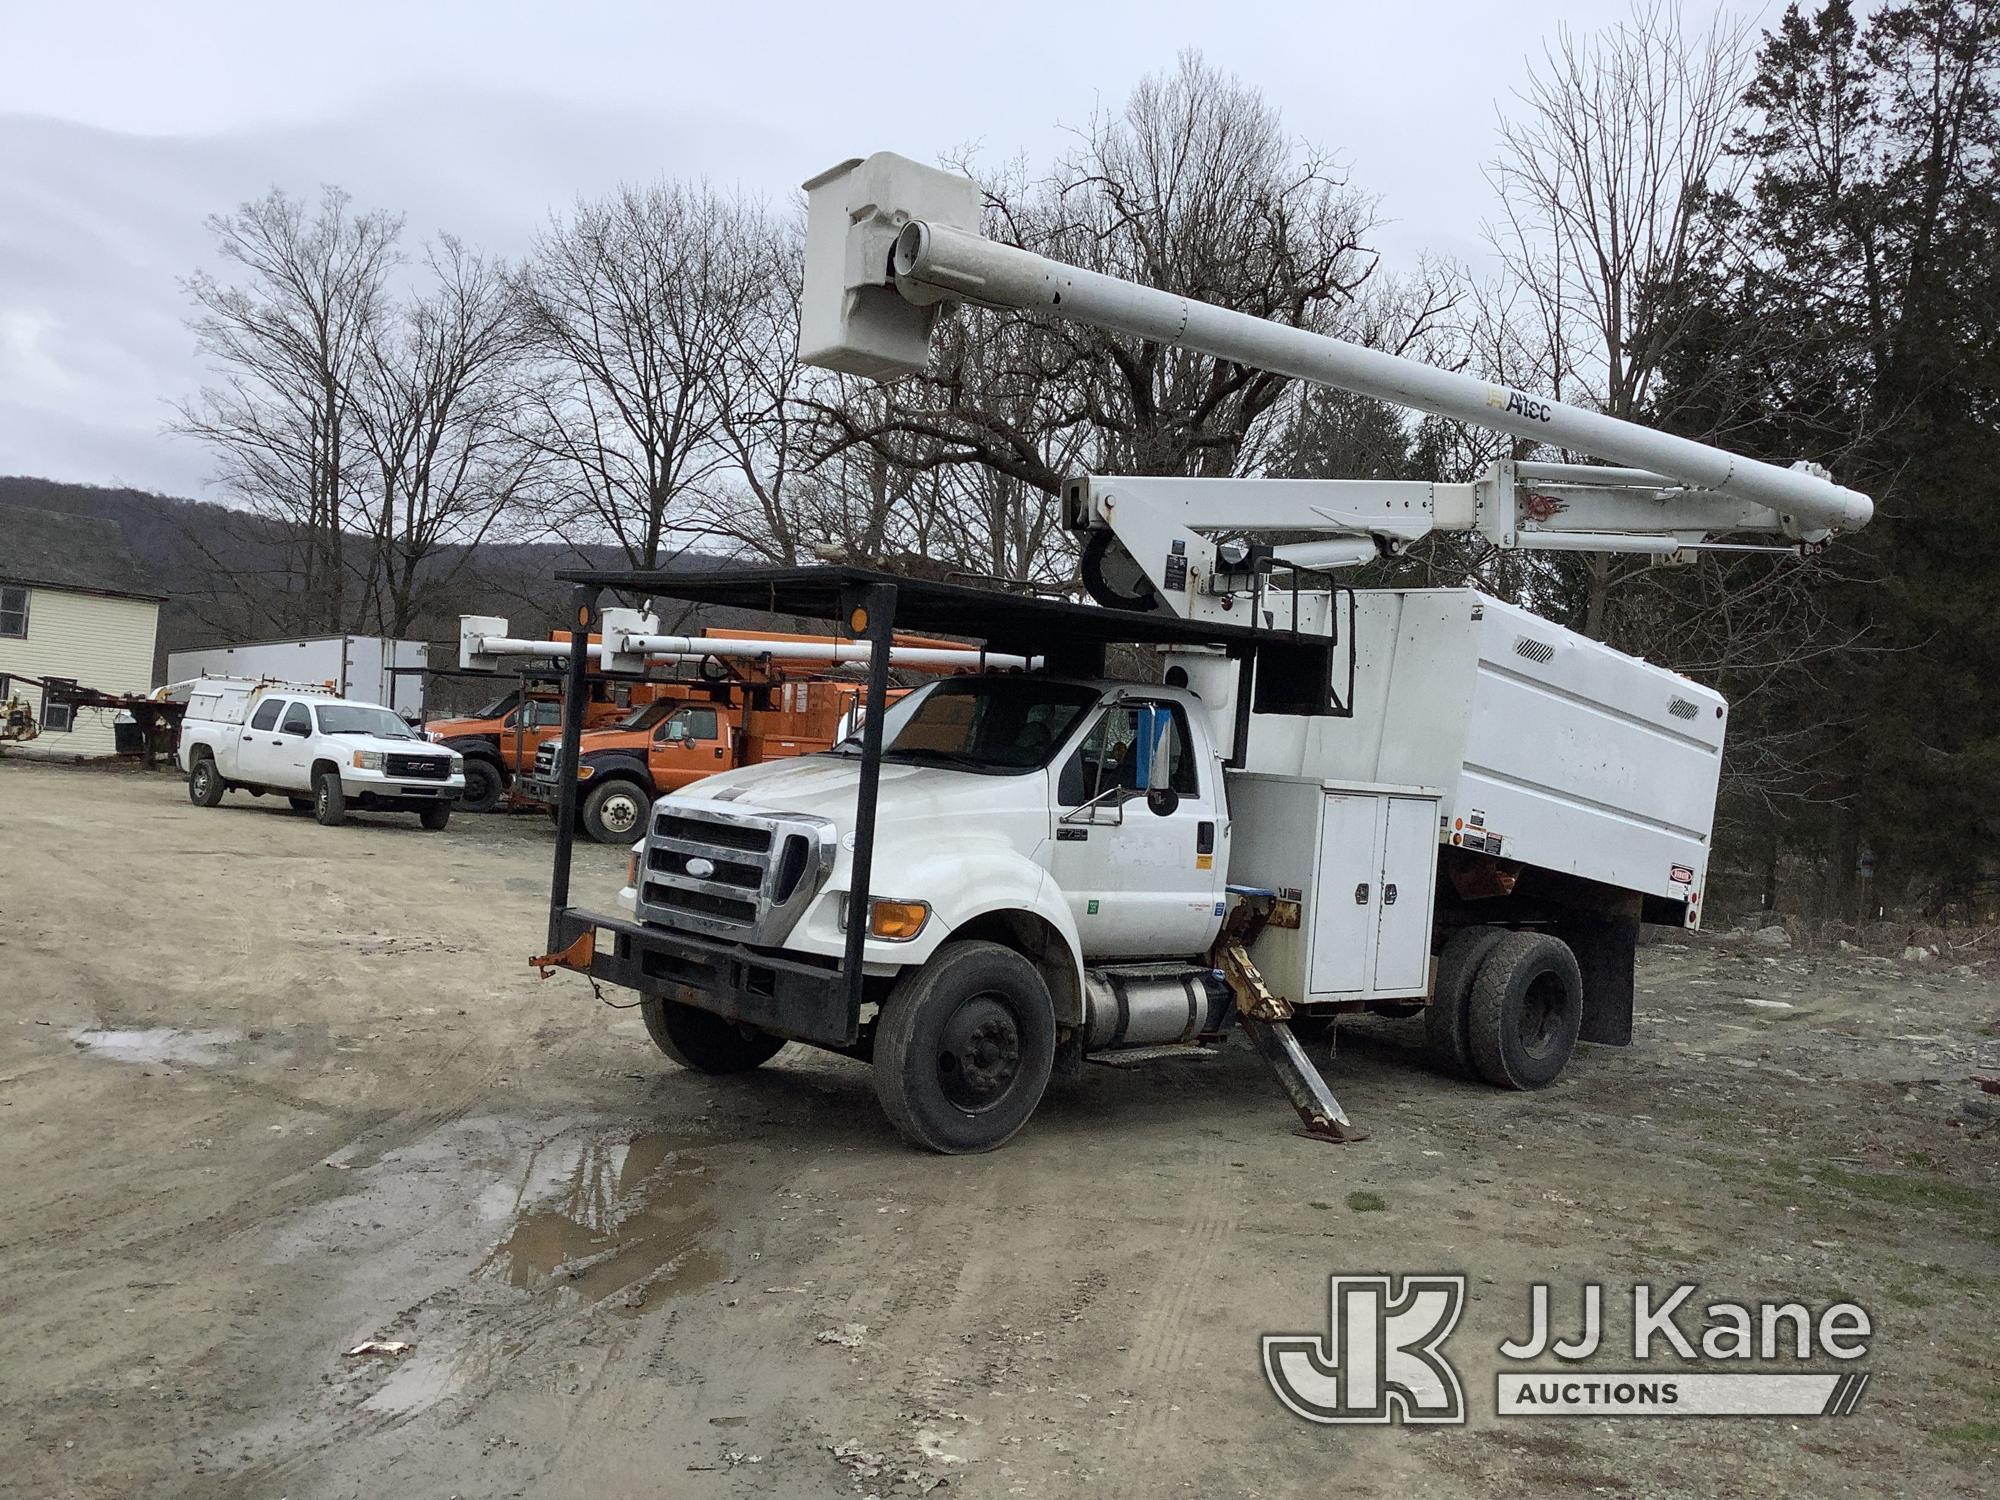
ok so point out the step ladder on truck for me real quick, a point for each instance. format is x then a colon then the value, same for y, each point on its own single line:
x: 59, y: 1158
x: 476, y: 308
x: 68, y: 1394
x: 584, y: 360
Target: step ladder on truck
x: 1413, y: 801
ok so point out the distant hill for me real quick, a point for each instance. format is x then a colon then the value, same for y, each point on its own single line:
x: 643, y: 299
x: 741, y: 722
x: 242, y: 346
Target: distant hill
x: 224, y: 571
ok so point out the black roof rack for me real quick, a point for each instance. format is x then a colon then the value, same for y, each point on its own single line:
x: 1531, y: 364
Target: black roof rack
x: 1017, y: 623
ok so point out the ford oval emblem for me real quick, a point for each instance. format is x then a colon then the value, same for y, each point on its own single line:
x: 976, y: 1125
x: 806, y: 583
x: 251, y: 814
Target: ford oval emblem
x: 700, y: 868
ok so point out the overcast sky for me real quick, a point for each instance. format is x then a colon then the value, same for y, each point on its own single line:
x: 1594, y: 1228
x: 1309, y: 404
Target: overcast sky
x: 124, y: 124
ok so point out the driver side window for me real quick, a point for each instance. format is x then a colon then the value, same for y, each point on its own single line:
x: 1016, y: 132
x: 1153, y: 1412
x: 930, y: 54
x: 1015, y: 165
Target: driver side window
x: 689, y: 724
x: 298, y: 720
x: 1112, y: 755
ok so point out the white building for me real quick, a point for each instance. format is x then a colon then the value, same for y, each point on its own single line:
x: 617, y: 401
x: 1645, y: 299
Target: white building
x: 73, y: 604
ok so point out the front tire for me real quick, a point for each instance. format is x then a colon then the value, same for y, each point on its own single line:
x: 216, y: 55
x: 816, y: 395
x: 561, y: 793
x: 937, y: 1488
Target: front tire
x: 964, y: 1048
x: 615, y: 812
x: 329, y: 800
x: 1525, y: 1012
x: 703, y: 1042
x: 435, y: 818
x: 205, y: 787
x: 484, y: 787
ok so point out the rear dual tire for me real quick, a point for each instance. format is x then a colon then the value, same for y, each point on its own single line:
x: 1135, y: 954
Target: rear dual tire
x: 1507, y: 1009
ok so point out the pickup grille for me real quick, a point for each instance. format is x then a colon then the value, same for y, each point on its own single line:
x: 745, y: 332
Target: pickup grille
x: 713, y: 869
x: 417, y: 767
x: 545, y: 758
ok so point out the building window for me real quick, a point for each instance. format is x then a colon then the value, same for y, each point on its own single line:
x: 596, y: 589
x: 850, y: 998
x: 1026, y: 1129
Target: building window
x: 13, y: 611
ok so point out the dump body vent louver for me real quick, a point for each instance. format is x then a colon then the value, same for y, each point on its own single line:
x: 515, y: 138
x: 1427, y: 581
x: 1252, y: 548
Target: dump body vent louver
x: 1680, y: 708
x: 1534, y: 650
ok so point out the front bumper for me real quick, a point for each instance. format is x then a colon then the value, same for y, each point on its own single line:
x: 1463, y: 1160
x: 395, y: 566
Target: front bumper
x: 785, y: 995
x: 538, y: 789
x: 374, y: 789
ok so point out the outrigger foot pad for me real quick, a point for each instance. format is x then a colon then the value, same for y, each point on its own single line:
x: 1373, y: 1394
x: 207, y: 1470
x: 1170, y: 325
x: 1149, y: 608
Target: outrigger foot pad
x: 1320, y: 1114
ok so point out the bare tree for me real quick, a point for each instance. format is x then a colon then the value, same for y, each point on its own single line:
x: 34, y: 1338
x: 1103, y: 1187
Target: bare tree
x: 633, y: 306
x: 1194, y: 187
x: 438, y: 411
x: 1606, y: 166
x: 288, y: 341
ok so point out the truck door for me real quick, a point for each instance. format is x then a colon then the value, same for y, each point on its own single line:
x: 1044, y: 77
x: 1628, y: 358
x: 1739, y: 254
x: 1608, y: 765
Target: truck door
x: 248, y: 753
x: 687, y: 745
x: 526, y: 727
x: 1143, y: 876
x: 292, y: 756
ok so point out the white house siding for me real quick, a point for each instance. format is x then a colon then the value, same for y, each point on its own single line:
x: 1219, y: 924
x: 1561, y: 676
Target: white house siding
x: 100, y: 641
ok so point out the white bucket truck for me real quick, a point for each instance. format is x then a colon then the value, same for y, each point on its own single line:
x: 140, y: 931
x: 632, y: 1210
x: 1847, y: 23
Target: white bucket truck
x: 1412, y: 801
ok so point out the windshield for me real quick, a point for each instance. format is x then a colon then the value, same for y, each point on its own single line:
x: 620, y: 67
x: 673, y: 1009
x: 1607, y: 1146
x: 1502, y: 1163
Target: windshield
x: 647, y: 715
x: 498, y: 706
x: 353, y: 718
x: 993, y: 725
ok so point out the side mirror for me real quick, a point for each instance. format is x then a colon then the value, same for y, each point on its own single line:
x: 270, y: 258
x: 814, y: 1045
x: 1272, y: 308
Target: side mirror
x: 1157, y: 726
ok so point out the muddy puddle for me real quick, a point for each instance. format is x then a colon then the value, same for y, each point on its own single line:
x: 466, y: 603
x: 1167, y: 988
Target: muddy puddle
x: 164, y: 1046
x: 607, y: 1217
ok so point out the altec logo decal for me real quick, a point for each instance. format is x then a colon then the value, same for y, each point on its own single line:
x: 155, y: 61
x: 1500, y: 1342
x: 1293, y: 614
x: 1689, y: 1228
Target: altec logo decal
x: 1380, y: 1360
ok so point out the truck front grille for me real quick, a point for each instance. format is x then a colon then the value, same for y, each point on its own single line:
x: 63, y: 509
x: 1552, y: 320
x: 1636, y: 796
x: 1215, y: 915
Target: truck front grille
x: 709, y: 867
x: 545, y: 758
x: 417, y: 767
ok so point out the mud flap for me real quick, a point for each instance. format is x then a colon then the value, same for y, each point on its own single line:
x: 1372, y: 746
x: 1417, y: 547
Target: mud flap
x: 1604, y: 947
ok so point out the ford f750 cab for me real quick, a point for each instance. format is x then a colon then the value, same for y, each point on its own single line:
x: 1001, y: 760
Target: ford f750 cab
x: 1060, y: 865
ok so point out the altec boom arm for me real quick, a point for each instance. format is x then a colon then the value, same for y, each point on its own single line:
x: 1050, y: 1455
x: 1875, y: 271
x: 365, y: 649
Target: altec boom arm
x: 890, y: 242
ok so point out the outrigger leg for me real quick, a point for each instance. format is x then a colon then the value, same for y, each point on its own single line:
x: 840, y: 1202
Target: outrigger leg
x: 1265, y: 1017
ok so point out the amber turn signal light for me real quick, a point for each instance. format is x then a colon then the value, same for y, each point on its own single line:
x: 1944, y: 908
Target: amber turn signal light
x: 898, y: 921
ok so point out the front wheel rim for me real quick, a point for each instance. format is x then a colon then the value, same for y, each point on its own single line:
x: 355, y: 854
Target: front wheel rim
x: 979, y: 1053
x: 618, y: 814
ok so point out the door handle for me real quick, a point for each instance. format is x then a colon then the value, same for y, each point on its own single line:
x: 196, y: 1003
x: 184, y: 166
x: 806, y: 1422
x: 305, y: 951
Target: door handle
x: 1388, y: 895
x: 1361, y: 894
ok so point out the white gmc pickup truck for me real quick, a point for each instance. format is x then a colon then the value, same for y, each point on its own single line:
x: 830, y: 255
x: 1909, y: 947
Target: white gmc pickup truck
x: 324, y: 753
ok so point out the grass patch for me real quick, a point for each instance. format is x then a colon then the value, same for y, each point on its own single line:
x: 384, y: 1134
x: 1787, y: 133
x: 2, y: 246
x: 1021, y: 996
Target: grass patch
x: 1910, y: 1192
x: 1970, y: 1432
x: 1365, y: 1202
x: 1317, y: 1204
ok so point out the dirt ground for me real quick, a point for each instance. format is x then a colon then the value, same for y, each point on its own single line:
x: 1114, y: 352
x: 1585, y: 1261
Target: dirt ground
x: 268, y: 1090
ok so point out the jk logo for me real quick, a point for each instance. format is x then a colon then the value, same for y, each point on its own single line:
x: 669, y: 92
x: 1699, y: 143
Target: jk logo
x: 1379, y: 1361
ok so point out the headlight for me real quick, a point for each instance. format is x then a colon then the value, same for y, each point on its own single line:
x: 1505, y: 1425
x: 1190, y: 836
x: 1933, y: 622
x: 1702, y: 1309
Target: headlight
x: 894, y: 921
x: 368, y: 760
x: 458, y: 765
x: 433, y: 736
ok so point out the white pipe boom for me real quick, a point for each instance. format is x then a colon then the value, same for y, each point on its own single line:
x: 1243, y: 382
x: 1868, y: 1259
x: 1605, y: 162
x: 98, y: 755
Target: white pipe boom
x: 698, y: 648
x: 889, y: 242
x: 833, y: 651
x: 945, y: 261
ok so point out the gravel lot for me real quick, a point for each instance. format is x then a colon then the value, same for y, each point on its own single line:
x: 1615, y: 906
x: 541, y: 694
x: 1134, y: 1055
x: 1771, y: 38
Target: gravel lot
x: 268, y: 1090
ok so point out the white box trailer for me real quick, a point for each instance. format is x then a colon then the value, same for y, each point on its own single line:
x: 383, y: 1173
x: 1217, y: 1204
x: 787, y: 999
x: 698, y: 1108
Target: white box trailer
x: 361, y: 667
